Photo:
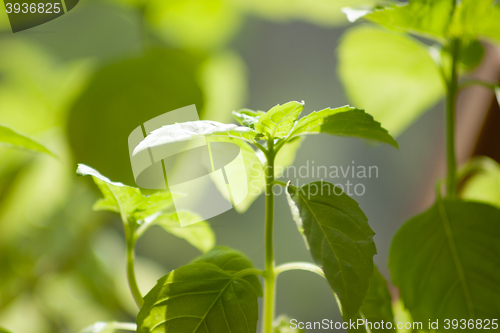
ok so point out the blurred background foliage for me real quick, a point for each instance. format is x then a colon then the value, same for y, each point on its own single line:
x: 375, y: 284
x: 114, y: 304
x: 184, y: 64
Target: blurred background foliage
x: 81, y: 83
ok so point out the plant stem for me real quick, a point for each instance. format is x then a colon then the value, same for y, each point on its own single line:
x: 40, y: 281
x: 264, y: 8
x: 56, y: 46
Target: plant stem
x: 270, y: 277
x: 469, y: 83
x: 132, y: 282
x: 451, y: 94
x: 301, y: 266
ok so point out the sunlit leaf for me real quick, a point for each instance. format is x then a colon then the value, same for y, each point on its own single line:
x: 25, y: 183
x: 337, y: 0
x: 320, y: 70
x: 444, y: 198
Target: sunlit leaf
x: 109, y: 327
x: 127, y: 201
x: 344, y: 121
x: 445, y: 262
x: 429, y: 18
x: 200, y: 297
x: 391, y: 75
x: 477, y: 18
x: 11, y: 137
x: 484, y: 183
x: 339, y: 238
x: 247, y: 178
x: 194, y: 24
x: 279, y: 120
x: 247, y: 117
x: 191, y: 130
x: 199, y: 234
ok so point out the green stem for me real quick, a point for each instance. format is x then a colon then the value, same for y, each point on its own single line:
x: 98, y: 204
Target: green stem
x: 270, y: 277
x: 132, y: 282
x: 451, y: 94
x: 469, y: 83
x: 301, y: 266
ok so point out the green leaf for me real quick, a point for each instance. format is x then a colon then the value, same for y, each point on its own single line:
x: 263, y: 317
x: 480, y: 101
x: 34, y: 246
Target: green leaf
x: 246, y: 180
x: 11, y: 137
x: 445, y: 262
x: 286, y: 156
x: 3, y: 330
x: 199, y: 234
x: 279, y: 121
x: 250, y: 181
x: 200, y: 297
x: 154, y: 82
x: 377, y: 305
x: 282, y: 325
x: 231, y: 260
x: 325, y: 13
x: 471, y: 55
x: 484, y: 183
x: 109, y: 327
x: 339, y: 237
x: 476, y: 18
x: 247, y: 117
x: 428, y: 18
x: 344, y: 121
x: 191, y: 130
x: 194, y: 24
x: 390, y: 75
x: 128, y: 201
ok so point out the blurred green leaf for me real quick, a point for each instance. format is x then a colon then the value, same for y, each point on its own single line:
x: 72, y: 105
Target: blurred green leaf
x: 445, y: 262
x: 3, y: 330
x: 286, y: 156
x: 484, y: 183
x: 391, y: 75
x: 122, y: 96
x: 43, y: 185
x: 231, y: 261
x: 200, y: 234
x: 200, y: 296
x: 194, y: 24
x: 471, y: 55
x: 254, y: 170
x: 223, y: 79
x: 344, y: 121
x: 428, y: 18
x: 322, y: 12
x: 127, y: 201
x: 477, y: 18
x: 251, y: 184
x: 282, y: 325
x: 279, y: 120
x: 339, y: 238
x: 36, y: 86
x: 11, y: 137
x: 109, y: 327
